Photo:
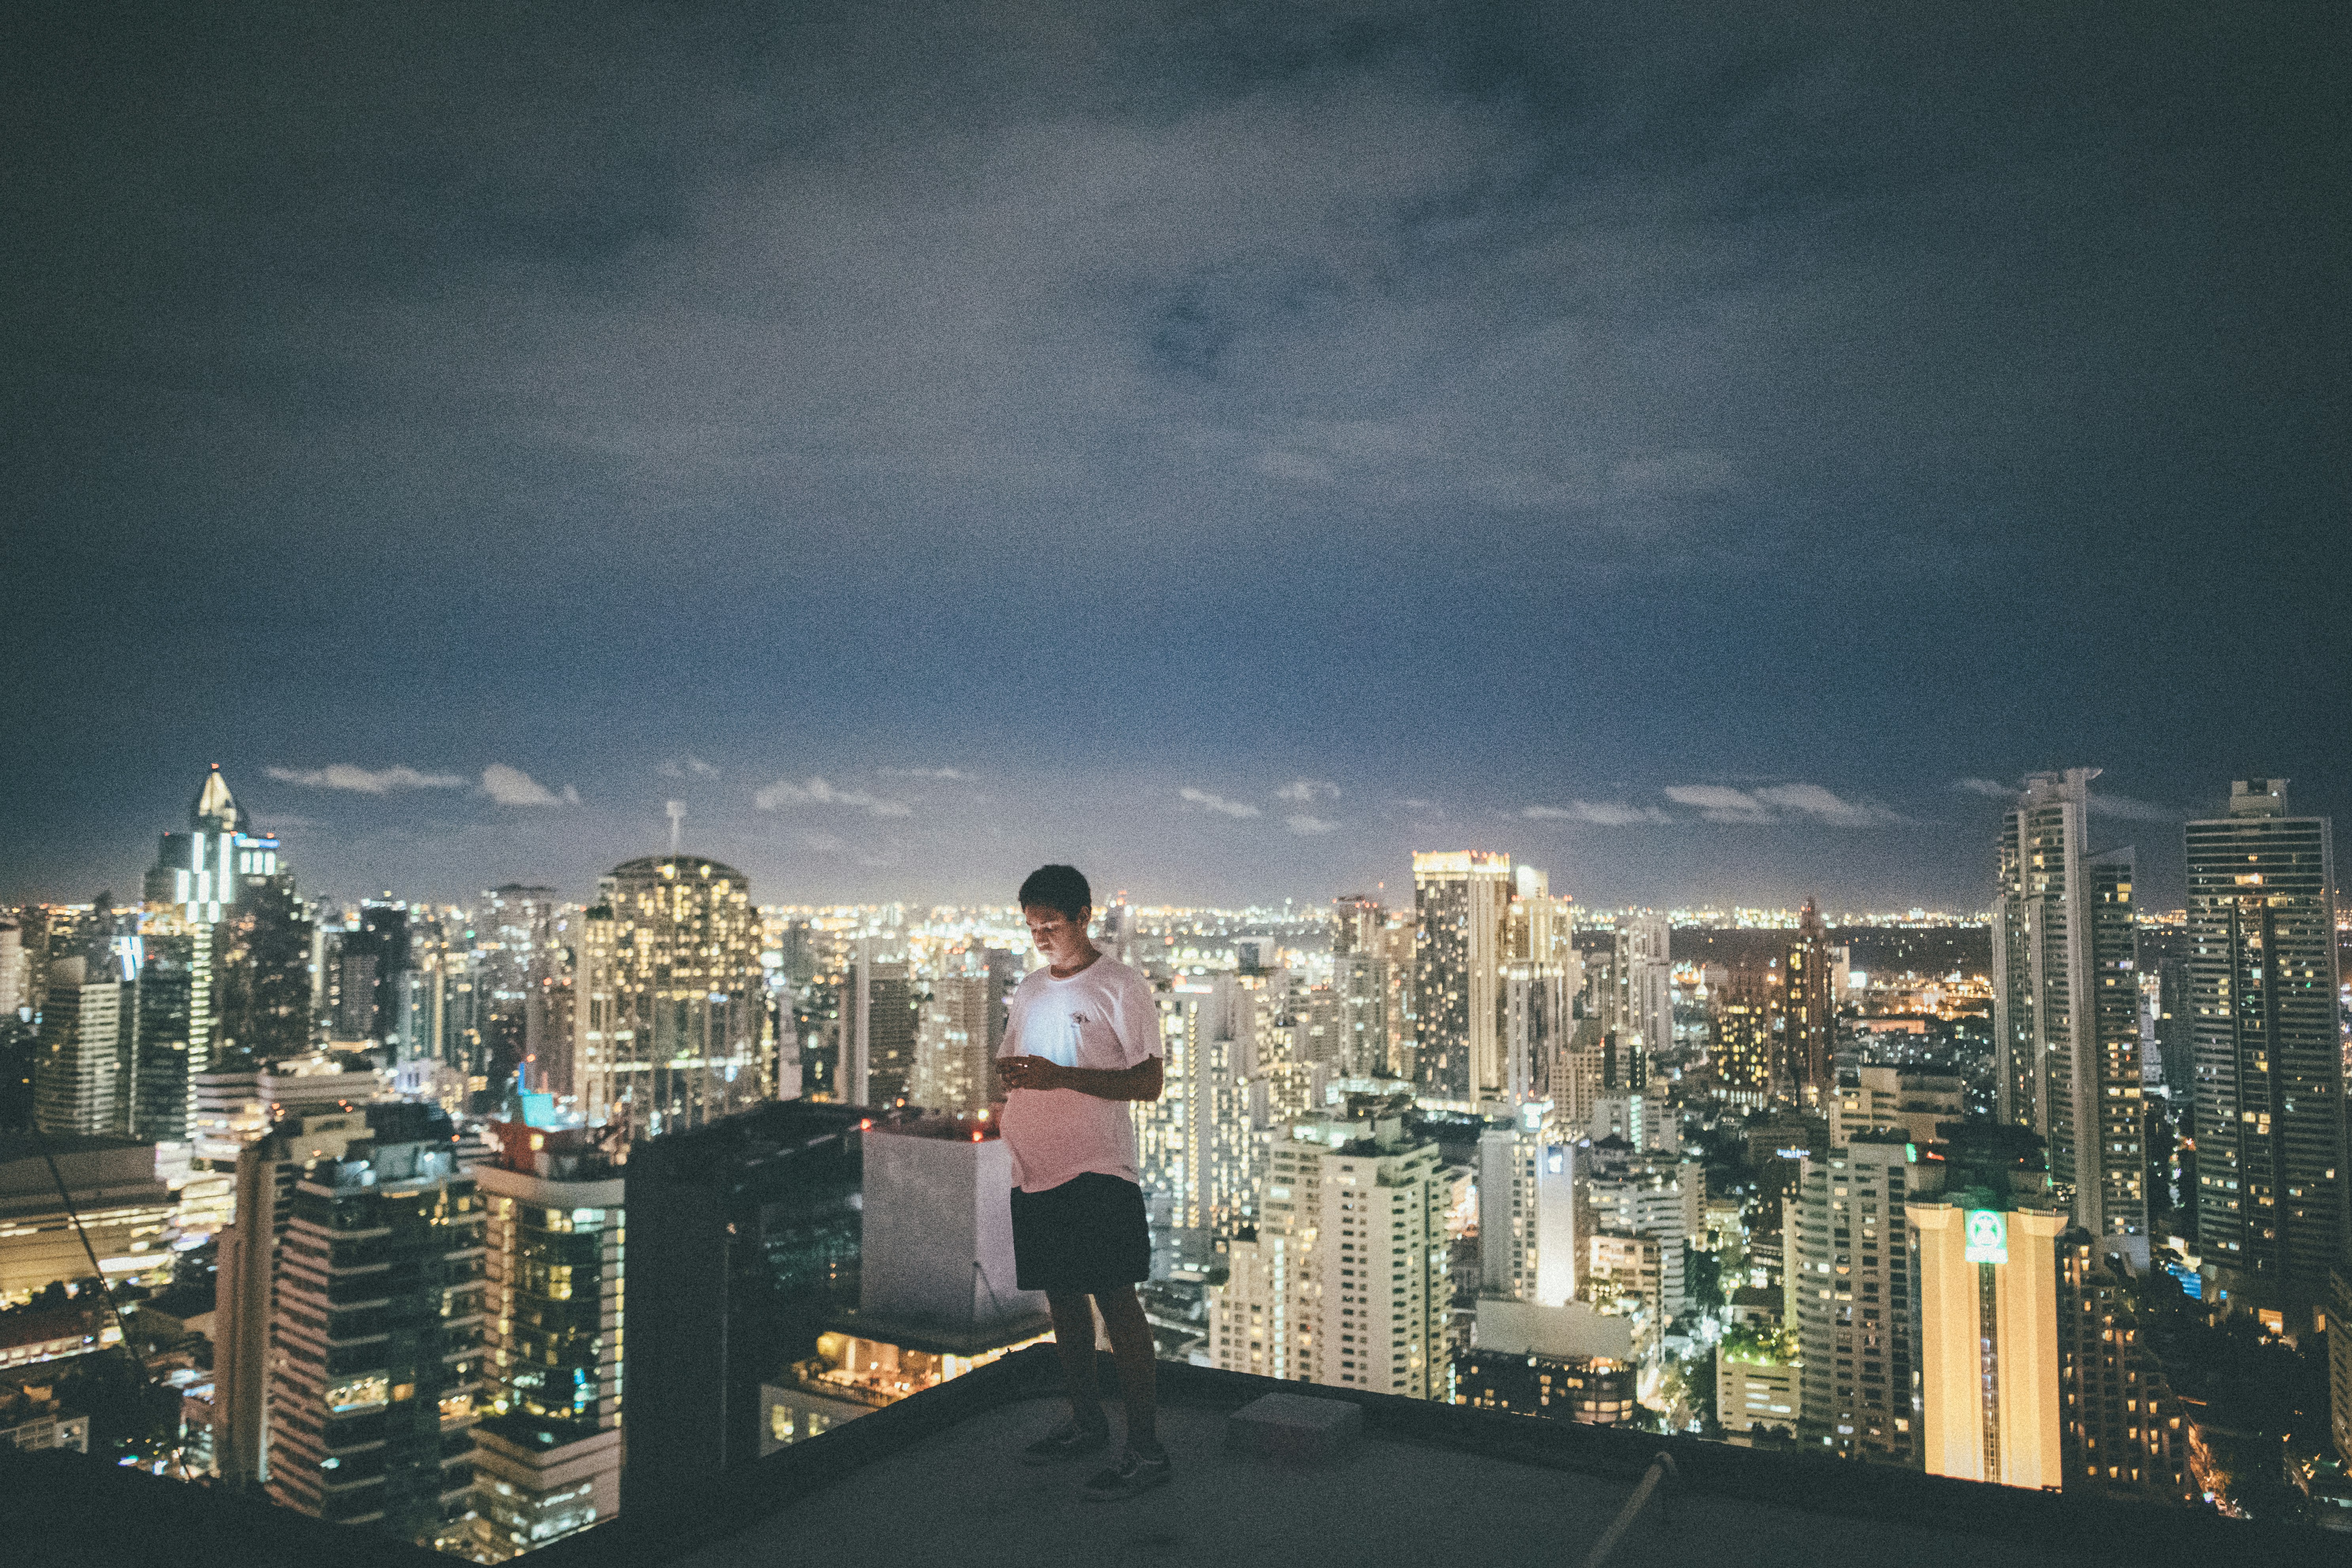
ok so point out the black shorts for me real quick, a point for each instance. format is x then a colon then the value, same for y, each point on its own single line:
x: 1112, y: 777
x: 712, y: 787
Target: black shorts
x: 1087, y: 1235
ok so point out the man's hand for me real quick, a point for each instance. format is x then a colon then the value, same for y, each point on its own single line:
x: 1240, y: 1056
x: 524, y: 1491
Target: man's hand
x: 1031, y: 1072
x: 1142, y: 1081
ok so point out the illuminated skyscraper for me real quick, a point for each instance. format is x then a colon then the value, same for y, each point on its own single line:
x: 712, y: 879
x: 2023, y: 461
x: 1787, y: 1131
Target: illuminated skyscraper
x: 1741, y: 1050
x: 1201, y: 1143
x: 547, y: 1446
x: 1461, y: 905
x: 1984, y: 1237
x: 2272, y: 1192
x: 378, y: 1327
x: 1809, y: 1010
x: 203, y: 875
x: 670, y: 1003
x: 2067, y: 1007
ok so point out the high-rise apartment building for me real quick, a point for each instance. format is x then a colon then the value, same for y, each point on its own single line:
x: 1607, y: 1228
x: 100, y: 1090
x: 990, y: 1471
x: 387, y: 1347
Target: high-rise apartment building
x: 1201, y: 1143
x: 1809, y: 1011
x: 1528, y: 1204
x: 1538, y: 998
x: 2066, y: 1008
x: 961, y: 1026
x: 2120, y: 1428
x: 1848, y: 1249
x: 1462, y: 908
x: 878, y: 1019
x: 670, y: 1002
x: 1653, y: 1200
x: 1344, y: 1282
x: 1740, y: 1049
x: 282, y: 1151
x: 378, y: 1332
x: 2274, y: 1201
x: 547, y: 1443
x: 1359, y: 988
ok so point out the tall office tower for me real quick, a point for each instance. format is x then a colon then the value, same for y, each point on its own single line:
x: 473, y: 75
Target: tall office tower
x: 547, y: 1441
x: 2119, y: 1423
x: 670, y: 1003
x: 1985, y: 1253
x: 520, y: 938
x: 1360, y: 987
x: 385, y: 940
x: 379, y: 1328
x: 2066, y: 1006
x: 878, y: 1027
x: 1849, y: 1282
x: 1741, y: 1051
x: 1344, y: 1282
x: 77, y: 1074
x: 162, y: 981
x: 1809, y: 1011
x: 264, y: 1168
x: 1645, y: 981
x: 752, y: 1224
x: 1650, y: 1197
x: 1461, y: 906
x: 955, y: 1050
x: 261, y: 964
x: 1527, y: 1204
x: 1537, y: 1027
x: 2273, y: 1206
x: 355, y: 1017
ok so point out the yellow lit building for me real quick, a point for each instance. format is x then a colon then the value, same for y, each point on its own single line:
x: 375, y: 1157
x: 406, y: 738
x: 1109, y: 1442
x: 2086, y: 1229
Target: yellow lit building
x: 1988, y: 1339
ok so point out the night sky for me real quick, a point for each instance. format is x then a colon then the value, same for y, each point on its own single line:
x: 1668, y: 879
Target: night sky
x: 1709, y: 451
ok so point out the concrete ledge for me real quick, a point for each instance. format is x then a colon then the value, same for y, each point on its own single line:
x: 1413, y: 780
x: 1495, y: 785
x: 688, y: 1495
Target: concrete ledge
x: 1295, y: 1428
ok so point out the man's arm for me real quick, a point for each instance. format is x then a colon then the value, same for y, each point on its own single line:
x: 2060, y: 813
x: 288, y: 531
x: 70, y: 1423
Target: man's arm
x: 1142, y: 1081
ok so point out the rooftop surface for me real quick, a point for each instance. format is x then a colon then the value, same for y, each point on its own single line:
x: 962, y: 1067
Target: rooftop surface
x: 934, y: 1479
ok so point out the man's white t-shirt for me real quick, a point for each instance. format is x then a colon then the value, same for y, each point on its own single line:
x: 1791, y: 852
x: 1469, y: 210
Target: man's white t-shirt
x: 1103, y: 1017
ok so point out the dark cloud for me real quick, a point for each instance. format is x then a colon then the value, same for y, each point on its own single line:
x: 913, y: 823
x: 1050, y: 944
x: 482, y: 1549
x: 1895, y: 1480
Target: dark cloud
x: 1418, y: 398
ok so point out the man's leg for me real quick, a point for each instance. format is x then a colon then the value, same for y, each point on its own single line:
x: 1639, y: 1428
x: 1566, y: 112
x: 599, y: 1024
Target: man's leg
x: 1074, y: 1339
x: 1131, y: 1350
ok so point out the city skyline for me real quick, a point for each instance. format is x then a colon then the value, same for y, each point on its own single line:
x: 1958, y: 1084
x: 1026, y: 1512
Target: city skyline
x: 944, y: 836
x: 1769, y: 421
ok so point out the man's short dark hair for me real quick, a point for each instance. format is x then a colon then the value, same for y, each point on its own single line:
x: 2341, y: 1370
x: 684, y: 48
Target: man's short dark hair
x: 1058, y: 888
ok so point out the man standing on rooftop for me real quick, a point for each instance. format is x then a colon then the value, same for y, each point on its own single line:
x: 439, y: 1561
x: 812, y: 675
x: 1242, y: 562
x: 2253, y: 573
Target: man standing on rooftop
x: 1082, y: 1041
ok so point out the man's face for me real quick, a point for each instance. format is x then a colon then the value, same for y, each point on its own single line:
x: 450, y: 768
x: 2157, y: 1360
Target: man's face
x: 1062, y: 939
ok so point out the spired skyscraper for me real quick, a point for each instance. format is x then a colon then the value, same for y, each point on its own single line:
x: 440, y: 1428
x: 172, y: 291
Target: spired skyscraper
x: 2271, y: 1204
x: 2066, y: 1008
x: 670, y: 1003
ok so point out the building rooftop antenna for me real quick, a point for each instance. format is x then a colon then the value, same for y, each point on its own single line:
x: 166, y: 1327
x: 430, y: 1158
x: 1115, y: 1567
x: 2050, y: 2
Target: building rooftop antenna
x: 676, y: 819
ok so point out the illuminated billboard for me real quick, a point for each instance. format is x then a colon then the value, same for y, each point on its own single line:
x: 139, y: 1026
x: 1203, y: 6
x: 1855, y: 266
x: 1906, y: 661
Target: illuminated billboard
x: 1988, y: 1236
